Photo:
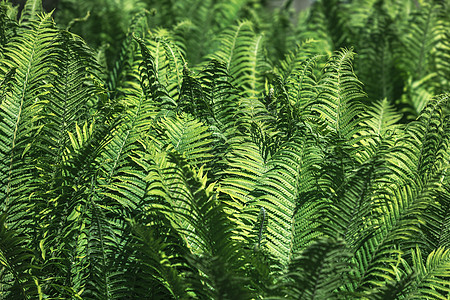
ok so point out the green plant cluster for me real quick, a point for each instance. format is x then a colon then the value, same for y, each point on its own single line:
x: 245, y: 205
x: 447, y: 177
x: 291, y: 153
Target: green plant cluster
x: 218, y: 150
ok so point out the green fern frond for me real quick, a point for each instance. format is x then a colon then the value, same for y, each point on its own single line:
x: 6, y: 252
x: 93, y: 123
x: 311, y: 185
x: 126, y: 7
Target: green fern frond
x: 157, y: 270
x: 400, y: 223
x: 376, y: 40
x: 189, y: 138
x: 424, y: 33
x: 246, y: 166
x: 437, y: 229
x: 124, y: 62
x: 383, y: 119
x: 193, y: 98
x: 313, y: 26
x: 149, y: 79
x: 442, y: 54
x: 31, y: 11
x: 16, y: 264
x: 241, y: 51
x: 425, y: 30
x: 422, y: 151
x: 340, y: 93
x: 298, y: 74
x: 32, y: 55
x: 318, y: 272
x: 227, y: 11
x: 7, y: 24
x: 432, y: 275
x: 285, y: 193
x: 382, y: 129
x: 169, y: 62
x: 192, y: 207
x: 221, y: 258
x: 221, y: 96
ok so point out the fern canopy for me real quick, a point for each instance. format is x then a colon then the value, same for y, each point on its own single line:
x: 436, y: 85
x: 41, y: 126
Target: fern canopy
x: 224, y: 150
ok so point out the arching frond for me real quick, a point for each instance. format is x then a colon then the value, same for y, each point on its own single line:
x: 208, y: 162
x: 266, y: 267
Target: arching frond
x: 432, y: 275
x: 16, y: 263
x: 169, y: 62
x: 376, y: 39
x: 125, y: 59
x: 149, y: 79
x: 318, y: 272
x: 340, y: 93
x: 285, y: 191
x: 27, y: 62
x: 383, y: 119
x: 31, y: 11
x: 298, y: 74
x: 241, y: 52
x: 7, y: 23
x: 425, y: 31
x: 189, y: 138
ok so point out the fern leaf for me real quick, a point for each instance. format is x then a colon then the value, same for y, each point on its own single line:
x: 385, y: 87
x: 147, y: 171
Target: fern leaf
x: 31, y: 11
x: 15, y: 265
x: 339, y: 95
x: 169, y: 62
x: 285, y: 192
x: 149, y: 80
x: 189, y: 138
x: 241, y: 52
x: 318, y: 272
x: 382, y: 119
x: 432, y: 279
x: 31, y: 55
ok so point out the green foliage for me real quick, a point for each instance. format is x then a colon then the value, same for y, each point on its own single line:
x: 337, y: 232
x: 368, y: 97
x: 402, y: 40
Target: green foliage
x: 216, y: 150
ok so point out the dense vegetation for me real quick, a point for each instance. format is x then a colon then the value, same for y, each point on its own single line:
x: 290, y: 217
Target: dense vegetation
x: 214, y: 149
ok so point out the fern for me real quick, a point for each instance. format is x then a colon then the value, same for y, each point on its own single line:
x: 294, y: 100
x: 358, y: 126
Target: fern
x: 424, y: 34
x: 339, y: 96
x: 31, y: 56
x: 184, y: 158
x: 430, y: 281
x: 318, y: 272
x: 16, y: 281
x: 284, y: 191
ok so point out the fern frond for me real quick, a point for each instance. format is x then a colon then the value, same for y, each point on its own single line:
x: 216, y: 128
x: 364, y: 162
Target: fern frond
x: 124, y: 62
x: 340, y: 93
x: 189, y: 138
x: 16, y: 264
x: 246, y: 166
x: 298, y: 74
x: 7, y: 24
x: 241, y: 51
x: 285, y: 192
x: 437, y: 229
x: 425, y: 31
x: 399, y: 223
x: 158, y: 266
x: 383, y: 119
x: 221, y: 96
x: 376, y: 40
x: 31, y: 11
x: 191, y: 205
x: 432, y: 275
x: 169, y: 62
x: 422, y: 151
x: 313, y: 26
x: 221, y: 258
x: 31, y: 54
x: 149, y: 79
x: 318, y: 271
